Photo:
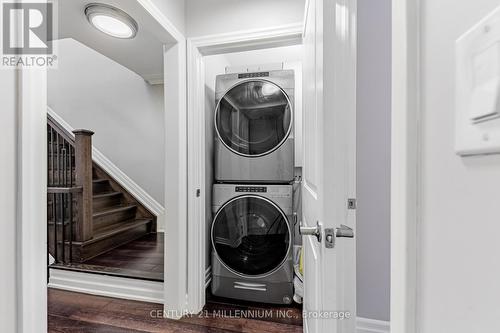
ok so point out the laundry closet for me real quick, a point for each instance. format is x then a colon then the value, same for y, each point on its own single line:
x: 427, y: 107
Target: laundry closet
x: 253, y: 112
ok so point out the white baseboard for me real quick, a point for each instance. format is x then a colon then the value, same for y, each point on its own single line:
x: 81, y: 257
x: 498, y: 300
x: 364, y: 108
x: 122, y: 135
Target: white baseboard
x: 365, y: 325
x: 110, y: 286
x: 125, y: 181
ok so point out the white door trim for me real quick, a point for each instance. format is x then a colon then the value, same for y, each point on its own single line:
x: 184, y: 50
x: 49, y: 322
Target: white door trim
x: 176, y: 180
x: 31, y: 228
x: 197, y: 48
x: 290, y: 34
x: 366, y: 325
x: 176, y: 177
x: 405, y: 164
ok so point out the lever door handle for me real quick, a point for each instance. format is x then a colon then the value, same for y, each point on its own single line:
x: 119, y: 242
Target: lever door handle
x: 344, y: 231
x: 330, y: 235
x: 311, y: 231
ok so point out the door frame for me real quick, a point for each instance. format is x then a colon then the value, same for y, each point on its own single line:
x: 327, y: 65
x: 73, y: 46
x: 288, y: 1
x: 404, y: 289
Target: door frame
x: 405, y: 164
x: 31, y: 221
x: 197, y: 49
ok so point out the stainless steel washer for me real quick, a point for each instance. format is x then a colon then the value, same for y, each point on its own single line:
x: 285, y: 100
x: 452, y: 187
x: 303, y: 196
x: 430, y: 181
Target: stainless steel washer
x: 252, y: 239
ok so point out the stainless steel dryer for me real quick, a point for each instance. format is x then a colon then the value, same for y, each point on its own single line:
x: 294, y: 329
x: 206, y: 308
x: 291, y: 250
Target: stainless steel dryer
x: 252, y: 240
x: 254, y: 127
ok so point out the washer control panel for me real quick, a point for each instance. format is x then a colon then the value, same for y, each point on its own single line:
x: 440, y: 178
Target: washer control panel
x: 251, y: 75
x: 268, y: 191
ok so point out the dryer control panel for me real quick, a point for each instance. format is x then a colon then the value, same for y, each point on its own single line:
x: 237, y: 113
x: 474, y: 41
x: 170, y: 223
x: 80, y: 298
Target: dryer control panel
x: 251, y: 189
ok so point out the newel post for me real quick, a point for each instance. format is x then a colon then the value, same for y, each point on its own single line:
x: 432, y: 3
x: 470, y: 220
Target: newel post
x: 83, y: 170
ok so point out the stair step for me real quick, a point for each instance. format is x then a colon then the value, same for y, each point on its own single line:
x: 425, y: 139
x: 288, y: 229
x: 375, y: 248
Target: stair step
x: 116, y: 228
x: 105, y: 200
x: 111, y: 237
x: 113, y: 215
x: 100, y: 186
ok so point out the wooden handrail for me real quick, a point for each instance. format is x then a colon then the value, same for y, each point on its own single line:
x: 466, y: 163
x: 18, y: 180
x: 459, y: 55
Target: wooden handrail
x: 61, y: 130
x: 83, y: 168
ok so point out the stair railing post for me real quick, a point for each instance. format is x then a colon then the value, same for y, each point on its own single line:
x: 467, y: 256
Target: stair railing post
x: 83, y: 169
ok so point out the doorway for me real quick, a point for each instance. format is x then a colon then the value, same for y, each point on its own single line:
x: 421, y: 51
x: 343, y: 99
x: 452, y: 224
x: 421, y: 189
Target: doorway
x: 213, y: 51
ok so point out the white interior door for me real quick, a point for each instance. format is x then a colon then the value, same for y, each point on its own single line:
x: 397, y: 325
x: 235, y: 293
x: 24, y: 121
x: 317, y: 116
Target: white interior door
x: 329, y: 165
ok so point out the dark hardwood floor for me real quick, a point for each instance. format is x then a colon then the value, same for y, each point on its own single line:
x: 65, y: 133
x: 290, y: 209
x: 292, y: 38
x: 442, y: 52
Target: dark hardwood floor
x: 71, y: 312
x: 140, y: 259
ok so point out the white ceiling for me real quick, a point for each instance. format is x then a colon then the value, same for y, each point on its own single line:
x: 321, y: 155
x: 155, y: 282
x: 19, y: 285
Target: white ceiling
x: 143, y: 54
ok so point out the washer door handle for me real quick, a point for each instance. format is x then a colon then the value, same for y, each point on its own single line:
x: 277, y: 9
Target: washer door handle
x: 250, y: 286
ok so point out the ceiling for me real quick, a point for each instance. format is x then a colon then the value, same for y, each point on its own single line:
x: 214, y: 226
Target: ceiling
x: 142, y: 55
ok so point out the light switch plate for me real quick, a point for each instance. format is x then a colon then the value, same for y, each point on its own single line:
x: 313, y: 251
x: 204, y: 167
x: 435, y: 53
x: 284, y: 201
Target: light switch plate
x: 477, y: 90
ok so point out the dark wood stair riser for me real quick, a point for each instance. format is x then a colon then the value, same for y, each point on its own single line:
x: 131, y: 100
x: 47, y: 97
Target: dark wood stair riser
x: 118, y: 214
x: 101, y: 202
x: 82, y: 252
x: 101, y: 186
x: 88, y: 250
x: 110, y: 243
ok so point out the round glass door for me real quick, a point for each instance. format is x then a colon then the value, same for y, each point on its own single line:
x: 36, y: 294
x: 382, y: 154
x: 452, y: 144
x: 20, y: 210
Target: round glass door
x: 253, y: 118
x: 251, y: 235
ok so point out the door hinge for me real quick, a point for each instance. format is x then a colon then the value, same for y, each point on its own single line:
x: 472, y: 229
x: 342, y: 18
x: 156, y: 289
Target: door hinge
x: 351, y: 203
x: 198, y: 192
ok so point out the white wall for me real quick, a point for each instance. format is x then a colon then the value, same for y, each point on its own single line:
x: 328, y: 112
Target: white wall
x: 459, y: 274
x: 93, y: 92
x: 373, y: 159
x: 207, y: 17
x: 175, y: 11
x: 8, y: 192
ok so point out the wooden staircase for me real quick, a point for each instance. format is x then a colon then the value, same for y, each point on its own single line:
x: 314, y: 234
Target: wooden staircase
x: 89, y: 213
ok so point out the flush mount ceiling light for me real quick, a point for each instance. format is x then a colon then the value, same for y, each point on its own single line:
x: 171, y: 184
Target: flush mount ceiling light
x: 111, y: 20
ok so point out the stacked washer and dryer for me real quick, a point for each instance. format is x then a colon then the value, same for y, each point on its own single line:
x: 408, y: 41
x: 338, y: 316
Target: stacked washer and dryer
x: 252, y: 229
